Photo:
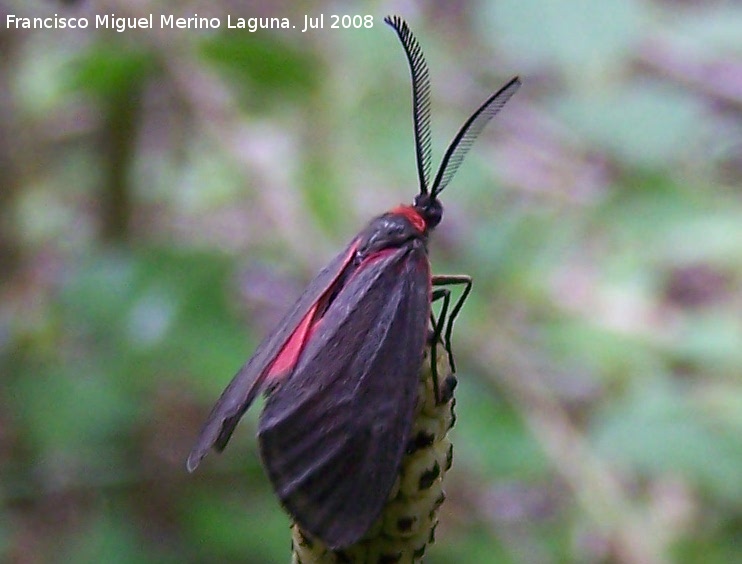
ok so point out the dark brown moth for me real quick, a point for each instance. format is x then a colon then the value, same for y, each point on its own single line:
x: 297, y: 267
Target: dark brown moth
x: 340, y: 370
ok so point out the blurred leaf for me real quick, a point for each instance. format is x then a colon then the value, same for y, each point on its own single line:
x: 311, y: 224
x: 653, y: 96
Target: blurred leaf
x: 705, y: 235
x: 252, y: 530
x: 646, y: 124
x: 506, y: 249
x: 478, y: 546
x: 601, y: 351
x: 656, y: 429
x: 722, y: 400
x: 713, y: 30
x: 713, y: 341
x: 709, y: 544
x: 324, y: 198
x: 110, y: 69
x: 491, y: 437
x: 40, y: 83
x: 159, y: 308
x: 74, y: 409
x: 5, y: 534
x: 270, y: 67
x: 574, y: 35
x: 110, y: 538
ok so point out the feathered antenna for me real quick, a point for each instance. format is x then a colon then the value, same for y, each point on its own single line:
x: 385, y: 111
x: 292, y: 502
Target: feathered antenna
x: 469, y: 132
x: 420, y: 97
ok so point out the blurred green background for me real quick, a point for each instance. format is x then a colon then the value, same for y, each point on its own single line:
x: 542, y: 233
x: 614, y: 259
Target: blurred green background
x: 165, y: 194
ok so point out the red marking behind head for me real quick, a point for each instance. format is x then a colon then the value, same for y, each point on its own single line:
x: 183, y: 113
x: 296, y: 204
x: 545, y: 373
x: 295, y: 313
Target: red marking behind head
x: 413, y: 216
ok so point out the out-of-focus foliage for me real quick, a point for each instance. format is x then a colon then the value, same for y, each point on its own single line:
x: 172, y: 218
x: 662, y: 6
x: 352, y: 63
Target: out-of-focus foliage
x: 164, y: 195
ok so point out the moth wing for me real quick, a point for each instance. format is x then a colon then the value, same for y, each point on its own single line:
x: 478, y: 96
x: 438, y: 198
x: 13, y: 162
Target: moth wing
x: 251, y: 378
x: 332, y: 435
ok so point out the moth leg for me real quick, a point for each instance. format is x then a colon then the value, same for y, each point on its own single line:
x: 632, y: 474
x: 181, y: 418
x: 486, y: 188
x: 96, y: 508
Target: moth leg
x: 444, y: 293
x: 435, y: 335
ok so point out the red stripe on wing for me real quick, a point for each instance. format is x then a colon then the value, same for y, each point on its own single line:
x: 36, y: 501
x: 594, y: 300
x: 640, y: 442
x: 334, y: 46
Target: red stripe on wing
x: 276, y: 354
x: 286, y: 359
